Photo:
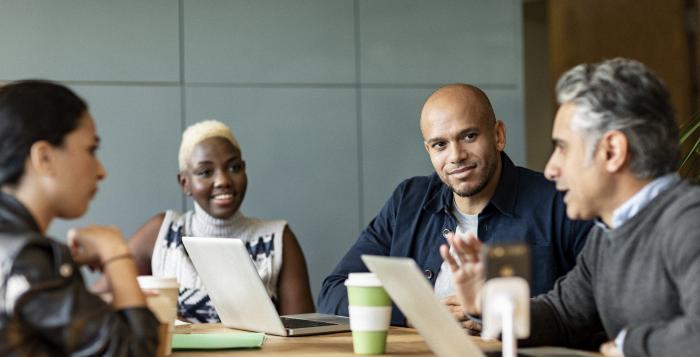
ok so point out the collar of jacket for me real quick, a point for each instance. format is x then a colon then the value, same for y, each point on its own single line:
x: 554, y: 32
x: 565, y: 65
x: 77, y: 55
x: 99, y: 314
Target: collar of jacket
x: 503, y: 198
x: 14, y: 213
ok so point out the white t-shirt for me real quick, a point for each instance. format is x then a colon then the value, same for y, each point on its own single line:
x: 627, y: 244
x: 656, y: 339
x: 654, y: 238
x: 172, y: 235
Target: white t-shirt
x: 465, y: 223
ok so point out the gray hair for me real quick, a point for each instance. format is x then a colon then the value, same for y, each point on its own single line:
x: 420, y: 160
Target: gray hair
x: 623, y: 94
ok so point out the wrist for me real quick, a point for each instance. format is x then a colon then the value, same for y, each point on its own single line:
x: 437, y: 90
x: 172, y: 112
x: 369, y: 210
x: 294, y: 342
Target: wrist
x: 473, y: 309
x: 116, y: 257
x: 113, y: 250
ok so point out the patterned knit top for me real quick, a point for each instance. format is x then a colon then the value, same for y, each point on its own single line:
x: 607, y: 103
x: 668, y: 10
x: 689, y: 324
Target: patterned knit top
x: 263, y: 239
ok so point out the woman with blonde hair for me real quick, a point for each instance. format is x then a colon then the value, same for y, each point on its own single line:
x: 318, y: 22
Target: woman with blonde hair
x: 212, y: 173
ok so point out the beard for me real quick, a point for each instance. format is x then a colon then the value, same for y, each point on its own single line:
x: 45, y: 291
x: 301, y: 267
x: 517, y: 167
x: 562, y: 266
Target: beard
x: 482, y: 181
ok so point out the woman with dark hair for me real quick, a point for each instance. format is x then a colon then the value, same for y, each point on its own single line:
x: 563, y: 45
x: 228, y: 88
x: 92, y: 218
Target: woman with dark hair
x: 48, y: 169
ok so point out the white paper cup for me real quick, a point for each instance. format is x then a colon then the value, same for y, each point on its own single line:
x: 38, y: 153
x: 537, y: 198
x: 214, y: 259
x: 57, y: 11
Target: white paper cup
x: 164, y: 286
x: 163, y: 305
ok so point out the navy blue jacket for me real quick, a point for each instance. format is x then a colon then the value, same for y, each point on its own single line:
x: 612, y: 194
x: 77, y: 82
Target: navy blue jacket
x: 524, y: 208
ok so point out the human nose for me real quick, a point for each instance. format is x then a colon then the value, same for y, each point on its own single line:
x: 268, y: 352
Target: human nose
x: 457, y: 153
x: 222, y: 179
x: 551, y: 171
x: 101, y: 171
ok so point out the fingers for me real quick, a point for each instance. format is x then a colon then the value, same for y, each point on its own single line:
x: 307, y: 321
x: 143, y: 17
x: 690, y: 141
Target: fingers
x: 450, y: 300
x: 457, y: 312
x: 609, y: 349
x: 147, y: 292
x: 96, y: 242
x: 454, y: 307
x: 467, y: 247
x: 72, y: 242
x: 77, y: 248
x: 448, y: 258
x: 473, y: 328
x: 72, y: 234
x: 103, y: 232
x: 82, y: 260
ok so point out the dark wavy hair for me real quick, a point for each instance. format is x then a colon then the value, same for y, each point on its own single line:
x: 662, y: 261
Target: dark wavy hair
x: 31, y: 111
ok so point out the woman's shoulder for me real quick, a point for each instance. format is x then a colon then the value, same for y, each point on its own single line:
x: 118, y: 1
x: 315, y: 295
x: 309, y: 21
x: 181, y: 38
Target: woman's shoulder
x: 171, y: 215
x: 35, y: 261
x: 175, y: 219
x: 170, y: 226
x: 14, y: 240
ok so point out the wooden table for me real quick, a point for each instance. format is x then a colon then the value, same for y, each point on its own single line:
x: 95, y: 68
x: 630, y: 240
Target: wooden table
x: 400, y: 342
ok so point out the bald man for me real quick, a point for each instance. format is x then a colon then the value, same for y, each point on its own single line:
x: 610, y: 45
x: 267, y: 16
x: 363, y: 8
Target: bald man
x: 475, y: 188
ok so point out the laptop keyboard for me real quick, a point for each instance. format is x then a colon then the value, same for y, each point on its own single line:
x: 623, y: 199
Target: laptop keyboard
x: 298, y: 323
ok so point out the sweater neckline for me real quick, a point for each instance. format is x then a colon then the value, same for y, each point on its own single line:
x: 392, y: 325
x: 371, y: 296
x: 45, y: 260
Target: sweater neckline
x: 651, y: 208
x: 203, y: 224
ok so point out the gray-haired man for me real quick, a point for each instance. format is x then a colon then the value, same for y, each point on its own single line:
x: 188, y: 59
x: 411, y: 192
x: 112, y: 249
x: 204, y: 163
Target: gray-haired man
x: 637, y: 280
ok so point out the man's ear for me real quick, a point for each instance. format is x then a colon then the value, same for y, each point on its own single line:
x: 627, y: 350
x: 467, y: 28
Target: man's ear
x: 615, y: 148
x: 184, y: 182
x: 500, y: 134
x: 42, y: 158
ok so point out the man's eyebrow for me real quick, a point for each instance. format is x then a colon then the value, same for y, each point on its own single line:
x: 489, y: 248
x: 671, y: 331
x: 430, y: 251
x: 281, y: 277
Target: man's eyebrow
x: 556, y: 142
x: 434, y: 140
x: 460, y: 134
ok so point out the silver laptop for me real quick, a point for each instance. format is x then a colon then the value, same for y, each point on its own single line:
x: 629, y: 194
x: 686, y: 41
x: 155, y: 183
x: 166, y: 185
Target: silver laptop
x: 412, y: 293
x: 239, y: 296
x: 414, y: 296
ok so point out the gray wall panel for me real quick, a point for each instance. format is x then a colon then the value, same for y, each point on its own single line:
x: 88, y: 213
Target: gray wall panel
x: 286, y: 75
x: 508, y: 107
x: 392, y: 145
x: 415, y: 41
x: 300, y: 147
x: 299, y: 41
x: 96, y: 40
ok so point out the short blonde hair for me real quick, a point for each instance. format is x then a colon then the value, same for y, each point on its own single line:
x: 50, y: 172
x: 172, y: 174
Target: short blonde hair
x: 198, y: 132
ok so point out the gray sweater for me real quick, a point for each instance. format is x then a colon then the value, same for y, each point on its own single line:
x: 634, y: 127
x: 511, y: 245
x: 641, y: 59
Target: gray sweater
x: 643, y: 276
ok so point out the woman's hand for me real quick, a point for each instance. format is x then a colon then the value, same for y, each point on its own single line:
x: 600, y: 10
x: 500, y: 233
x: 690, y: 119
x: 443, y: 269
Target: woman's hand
x: 93, y: 245
x: 467, y: 270
x: 103, y: 248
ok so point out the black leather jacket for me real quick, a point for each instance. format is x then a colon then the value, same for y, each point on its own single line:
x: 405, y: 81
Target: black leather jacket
x: 45, y: 309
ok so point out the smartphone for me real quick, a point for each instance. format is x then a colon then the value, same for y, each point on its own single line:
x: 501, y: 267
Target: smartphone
x: 506, y: 260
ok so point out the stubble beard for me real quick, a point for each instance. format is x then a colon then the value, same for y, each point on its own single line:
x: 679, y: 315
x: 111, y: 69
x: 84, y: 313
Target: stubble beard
x: 481, y: 184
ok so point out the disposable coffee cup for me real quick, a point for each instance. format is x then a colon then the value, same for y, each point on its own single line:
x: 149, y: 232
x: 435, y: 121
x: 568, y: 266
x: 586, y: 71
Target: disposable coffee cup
x: 370, y: 313
x: 164, y: 305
